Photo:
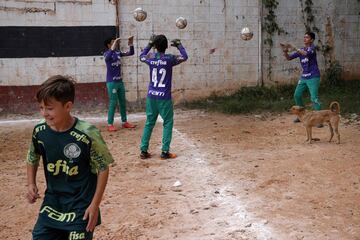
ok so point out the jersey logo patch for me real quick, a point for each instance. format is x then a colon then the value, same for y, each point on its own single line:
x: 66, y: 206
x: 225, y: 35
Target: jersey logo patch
x: 72, y: 150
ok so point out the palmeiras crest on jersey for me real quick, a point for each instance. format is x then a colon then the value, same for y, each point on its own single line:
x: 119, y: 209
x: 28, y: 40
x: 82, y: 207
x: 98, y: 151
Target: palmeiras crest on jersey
x: 72, y: 150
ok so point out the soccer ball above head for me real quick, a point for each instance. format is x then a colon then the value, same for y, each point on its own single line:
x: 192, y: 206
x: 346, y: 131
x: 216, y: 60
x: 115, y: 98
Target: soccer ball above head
x: 139, y: 14
x: 181, y: 22
x: 246, y: 34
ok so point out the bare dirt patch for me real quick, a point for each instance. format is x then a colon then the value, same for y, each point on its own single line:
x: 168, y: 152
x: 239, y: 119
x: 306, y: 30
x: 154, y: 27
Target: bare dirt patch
x: 242, y: 177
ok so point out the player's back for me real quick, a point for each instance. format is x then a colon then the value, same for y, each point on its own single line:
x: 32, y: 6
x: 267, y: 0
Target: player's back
x: 160, y: 65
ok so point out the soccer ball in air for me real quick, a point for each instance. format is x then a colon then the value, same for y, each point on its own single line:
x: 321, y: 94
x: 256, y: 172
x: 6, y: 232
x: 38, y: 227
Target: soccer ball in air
x: 181, y: 22
x: 246, y: 34
x: 139, y: 14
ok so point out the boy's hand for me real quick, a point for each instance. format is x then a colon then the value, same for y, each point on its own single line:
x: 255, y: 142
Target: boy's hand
x: 92, y: 214
x: 284, y: 47
x: 151, y: 40
x: 32, y: 194
x: 291, y: 47
x: 287, y: 46
x: 175, y: 43
x: 131, y: 40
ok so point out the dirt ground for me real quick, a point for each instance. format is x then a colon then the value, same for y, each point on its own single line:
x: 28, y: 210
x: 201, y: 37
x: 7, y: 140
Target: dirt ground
x: 242, y: 177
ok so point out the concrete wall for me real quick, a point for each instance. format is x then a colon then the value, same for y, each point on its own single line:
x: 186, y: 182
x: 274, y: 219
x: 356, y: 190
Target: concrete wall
x: 33, y: 71
x: 212, y: 24
x: 339, y: 25
x: 19, y: 76
x: 56, y: 13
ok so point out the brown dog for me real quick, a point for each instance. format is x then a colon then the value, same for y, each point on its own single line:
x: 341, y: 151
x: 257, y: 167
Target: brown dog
x: 313, y: 118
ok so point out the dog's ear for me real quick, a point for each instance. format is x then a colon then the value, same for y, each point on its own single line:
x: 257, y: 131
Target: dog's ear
x: 296, y: 109
x: 301, y: 108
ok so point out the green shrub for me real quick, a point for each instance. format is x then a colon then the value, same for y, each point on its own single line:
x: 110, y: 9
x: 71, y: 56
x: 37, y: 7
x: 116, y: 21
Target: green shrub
x: 280, y: 99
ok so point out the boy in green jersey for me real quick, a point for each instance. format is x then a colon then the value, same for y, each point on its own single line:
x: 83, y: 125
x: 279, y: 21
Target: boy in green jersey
x: 76, y: 166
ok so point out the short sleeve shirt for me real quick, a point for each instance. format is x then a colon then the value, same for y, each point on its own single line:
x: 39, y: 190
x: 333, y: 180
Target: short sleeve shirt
x: 71, y: 160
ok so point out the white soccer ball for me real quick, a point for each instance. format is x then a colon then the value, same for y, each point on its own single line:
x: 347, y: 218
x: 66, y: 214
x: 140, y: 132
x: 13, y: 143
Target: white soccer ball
x: 139, y: 14
x: 246, y: 34
x: 181, y: 22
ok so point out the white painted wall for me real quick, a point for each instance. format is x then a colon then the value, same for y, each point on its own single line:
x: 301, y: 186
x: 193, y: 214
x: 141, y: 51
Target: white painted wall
x: 211, y: 24
x: 56, y: 13
x: 33, y: 71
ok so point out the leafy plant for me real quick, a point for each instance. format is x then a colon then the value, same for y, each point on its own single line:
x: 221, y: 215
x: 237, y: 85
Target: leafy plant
x: 280, y: 98
x: 271, y: 27
x: 332, y: 76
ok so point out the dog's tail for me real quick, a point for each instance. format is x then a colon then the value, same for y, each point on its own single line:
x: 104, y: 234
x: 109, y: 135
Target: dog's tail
x: 335, y: 107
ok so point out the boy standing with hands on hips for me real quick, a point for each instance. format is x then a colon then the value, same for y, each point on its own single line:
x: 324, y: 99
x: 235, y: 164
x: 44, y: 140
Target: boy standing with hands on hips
x: 159, y: 99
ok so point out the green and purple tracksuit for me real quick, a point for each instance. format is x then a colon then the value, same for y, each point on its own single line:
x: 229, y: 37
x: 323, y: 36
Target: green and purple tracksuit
x: 114, y: 83
x: 310, y: 78
x: 158, y: 99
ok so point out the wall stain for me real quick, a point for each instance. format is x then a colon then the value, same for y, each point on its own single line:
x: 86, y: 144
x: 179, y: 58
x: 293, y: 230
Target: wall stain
x: 330, y: 41
x: 27, y: 10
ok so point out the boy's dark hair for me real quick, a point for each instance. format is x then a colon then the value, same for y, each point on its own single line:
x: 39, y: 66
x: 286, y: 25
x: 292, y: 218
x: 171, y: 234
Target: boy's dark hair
x: 311, y: 34
x: 61, y: 88
x: 161, y: 43
x: 107, y: 42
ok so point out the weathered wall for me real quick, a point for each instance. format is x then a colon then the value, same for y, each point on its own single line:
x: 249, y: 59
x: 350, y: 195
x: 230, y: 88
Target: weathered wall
x: 338, y: 22
x: 43, y: 38
x: 82, y: 26
x: 212, y: 24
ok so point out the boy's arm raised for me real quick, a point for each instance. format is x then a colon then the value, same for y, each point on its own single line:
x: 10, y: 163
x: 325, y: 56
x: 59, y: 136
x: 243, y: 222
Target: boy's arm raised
x: 111, y: 54
x: 131, y: 45
x: 143, y: 55
x: 307, y: 51
x: 183, y: 54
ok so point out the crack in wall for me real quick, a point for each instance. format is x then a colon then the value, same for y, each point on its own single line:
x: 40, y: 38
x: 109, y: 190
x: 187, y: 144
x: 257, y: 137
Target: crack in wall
x: 33, y: 6
x: 27, y: 9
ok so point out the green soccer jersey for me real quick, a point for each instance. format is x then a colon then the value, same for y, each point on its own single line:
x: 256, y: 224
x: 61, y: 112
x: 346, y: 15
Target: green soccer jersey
x: 71, y: 160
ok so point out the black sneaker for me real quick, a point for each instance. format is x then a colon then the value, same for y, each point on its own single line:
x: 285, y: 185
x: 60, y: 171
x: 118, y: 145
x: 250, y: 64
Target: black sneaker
x: 297, y: 120
x: 167, y: 155
x: 145, y: 155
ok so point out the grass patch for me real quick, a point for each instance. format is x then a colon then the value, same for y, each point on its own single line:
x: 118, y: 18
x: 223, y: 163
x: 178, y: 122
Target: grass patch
x: 279, y: 99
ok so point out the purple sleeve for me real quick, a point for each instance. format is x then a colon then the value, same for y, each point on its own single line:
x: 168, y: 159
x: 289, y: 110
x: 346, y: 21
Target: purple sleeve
x: 294, y: 55
x: 128, y: 53
x: 310, y: 50
x: 182, y: 57
x: 109, y: 55
x: 144, y: 54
